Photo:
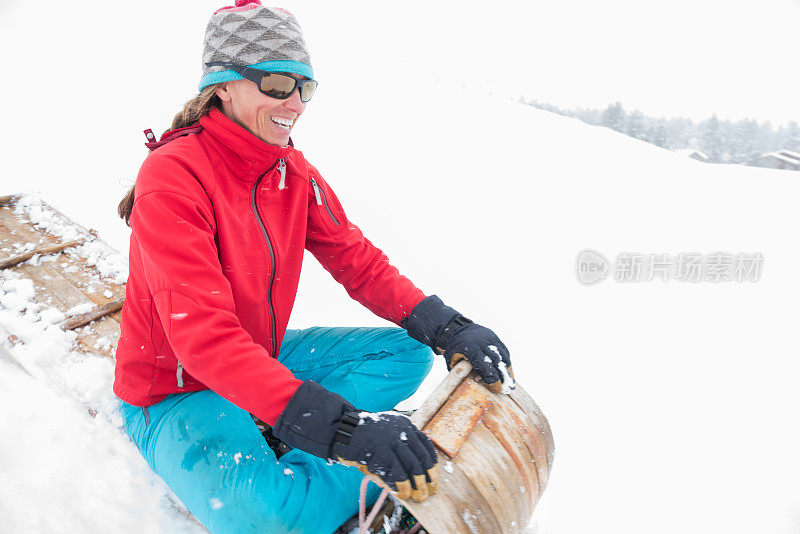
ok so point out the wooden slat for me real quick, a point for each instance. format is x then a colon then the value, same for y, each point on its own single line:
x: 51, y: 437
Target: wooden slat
x: 90, y: 335
x: 537, y: 441
x: 453, y: 423
x: 14, y: 231
x: 85, y: 276
x: 48, y: 282
x: 442, y: 392
x: 513, y: 436
x: 529, y: 407
x: 97, y: 313
x: 496, y: 478
x: 54, y: 289
x: 459, y: 510
x: 41, y: 250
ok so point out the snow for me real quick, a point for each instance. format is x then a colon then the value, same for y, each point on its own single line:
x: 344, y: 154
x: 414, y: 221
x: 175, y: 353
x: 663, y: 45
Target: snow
x: 508, y: 382
x: 52, y: 315
x: 671, y: 404
x: 66, y: 462
x: 80, y: 309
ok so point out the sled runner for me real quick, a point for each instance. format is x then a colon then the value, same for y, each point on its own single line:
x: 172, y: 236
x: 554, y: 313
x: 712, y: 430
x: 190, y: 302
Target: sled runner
x: 495, y: 450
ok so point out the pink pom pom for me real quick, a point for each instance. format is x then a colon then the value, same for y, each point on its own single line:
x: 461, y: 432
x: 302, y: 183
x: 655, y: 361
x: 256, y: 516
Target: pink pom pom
x: 241, y: 5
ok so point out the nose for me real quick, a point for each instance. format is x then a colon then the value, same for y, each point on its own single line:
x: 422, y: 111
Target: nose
x: 293, y: 103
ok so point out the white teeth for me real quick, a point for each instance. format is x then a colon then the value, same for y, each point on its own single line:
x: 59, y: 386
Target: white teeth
x: 282, y: 122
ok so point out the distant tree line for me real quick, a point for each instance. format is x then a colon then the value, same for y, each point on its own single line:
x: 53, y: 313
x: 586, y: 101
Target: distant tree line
x: 722, y: 141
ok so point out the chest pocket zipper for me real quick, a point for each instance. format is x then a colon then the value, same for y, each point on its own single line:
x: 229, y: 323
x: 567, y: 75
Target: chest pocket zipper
x: 319, y: 194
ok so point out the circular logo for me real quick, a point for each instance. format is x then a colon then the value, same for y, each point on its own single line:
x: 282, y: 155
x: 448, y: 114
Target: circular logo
x: 591, y: 267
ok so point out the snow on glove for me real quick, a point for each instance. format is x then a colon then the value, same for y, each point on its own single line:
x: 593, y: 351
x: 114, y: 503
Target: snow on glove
x: 449, y: 333
x: 386, y: 445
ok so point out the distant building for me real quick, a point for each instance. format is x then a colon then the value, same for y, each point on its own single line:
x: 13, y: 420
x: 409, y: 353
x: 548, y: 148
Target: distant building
x: 782, y: 159
x: 692, y: 153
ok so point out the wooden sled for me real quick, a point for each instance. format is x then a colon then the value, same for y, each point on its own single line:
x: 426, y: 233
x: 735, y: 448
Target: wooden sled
x: 62, y: 272
x: 495, y: 455
x: 495, y: 450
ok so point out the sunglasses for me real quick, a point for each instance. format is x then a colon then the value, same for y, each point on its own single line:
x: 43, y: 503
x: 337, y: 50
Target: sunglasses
x: 272, y: 84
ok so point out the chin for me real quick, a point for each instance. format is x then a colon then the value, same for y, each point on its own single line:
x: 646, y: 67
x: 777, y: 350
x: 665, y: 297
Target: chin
x: 282, y: 141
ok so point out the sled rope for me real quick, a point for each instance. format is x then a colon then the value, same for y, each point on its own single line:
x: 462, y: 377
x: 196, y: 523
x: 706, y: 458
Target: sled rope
x: 363, y: 520
x: 363, y: 524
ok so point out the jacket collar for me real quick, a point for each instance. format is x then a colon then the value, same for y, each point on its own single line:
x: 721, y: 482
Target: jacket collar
x: 243, y: 153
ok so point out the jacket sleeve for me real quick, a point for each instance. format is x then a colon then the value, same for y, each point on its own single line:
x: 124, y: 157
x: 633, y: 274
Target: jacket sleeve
x: 195, y: 303
x: 353, y: 261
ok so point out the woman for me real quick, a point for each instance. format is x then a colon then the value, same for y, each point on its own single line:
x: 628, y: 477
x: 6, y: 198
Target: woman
x: 220, y: 214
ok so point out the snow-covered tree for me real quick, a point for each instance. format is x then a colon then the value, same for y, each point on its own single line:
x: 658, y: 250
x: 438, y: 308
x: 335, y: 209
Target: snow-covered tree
x: 660, y: 135
x: 711, y: 139
x: 614, y: 117
x: 636, y: 126
x: 791, y: 137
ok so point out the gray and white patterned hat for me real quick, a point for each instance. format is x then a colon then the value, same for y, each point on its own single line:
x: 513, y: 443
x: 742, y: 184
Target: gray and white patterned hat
x: 251, y: 35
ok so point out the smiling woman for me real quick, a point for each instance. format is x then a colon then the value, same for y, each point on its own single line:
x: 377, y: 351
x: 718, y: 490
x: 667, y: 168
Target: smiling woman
x: 222, y: 210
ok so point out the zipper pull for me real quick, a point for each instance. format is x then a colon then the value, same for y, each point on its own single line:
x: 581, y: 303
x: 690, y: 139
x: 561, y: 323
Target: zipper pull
x: 179, y: 375
x: 316, y: 192
x: 282, y: 170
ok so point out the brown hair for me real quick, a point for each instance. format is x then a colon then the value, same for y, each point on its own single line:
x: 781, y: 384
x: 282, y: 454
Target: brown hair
x: 192, y: 111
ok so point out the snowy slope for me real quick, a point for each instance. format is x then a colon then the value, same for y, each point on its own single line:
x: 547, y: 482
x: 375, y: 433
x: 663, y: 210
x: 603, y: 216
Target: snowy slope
x: 672, y: 404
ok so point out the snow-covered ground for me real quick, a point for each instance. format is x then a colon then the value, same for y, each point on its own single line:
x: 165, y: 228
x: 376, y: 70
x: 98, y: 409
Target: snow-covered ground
x: 673, y: 404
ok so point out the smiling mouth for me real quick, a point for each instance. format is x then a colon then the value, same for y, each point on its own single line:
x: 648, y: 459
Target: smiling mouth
x: 283, y: 123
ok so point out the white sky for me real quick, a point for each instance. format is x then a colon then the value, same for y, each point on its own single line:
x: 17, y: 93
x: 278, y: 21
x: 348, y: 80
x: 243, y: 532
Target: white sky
x: 681, y: 58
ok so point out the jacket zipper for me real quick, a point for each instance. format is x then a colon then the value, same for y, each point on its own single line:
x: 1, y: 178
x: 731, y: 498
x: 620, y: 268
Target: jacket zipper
x: 319, y: 194
x: 272, y: 264
x: 282, y: 170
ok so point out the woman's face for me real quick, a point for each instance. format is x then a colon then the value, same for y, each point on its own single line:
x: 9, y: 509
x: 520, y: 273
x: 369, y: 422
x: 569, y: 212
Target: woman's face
x: 243, y: 103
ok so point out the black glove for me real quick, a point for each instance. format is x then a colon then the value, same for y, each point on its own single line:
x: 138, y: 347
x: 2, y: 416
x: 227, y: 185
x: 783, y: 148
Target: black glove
x: 449, y: 333
x: 385, y: 444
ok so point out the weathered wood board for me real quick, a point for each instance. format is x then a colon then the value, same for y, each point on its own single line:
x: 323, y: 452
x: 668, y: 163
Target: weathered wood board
x: 63, y: 279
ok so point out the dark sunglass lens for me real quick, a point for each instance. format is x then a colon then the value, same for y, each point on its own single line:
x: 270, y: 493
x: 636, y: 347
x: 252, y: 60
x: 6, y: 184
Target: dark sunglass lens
x: 307, y: 90
x: 277, y: 85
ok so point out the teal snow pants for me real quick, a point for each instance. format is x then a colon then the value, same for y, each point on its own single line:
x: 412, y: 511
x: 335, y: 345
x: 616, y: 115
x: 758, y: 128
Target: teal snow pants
x: 212, y: 456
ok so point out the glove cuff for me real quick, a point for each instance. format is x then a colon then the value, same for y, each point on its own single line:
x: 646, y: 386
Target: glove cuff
x: 432, y: 323
x: 311, y: 419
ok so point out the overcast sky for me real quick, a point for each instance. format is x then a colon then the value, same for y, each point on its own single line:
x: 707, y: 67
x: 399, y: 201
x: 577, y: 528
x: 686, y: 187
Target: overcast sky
x: 683, y: 57
x: 678, y: 58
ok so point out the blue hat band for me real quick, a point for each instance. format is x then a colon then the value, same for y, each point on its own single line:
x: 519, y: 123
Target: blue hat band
x: 294, y: 67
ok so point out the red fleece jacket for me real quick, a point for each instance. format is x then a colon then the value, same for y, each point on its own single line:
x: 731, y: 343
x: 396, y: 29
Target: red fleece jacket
x: 219, y: 224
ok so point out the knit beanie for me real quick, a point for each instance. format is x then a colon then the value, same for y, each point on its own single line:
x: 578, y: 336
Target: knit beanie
x: 251, y: 35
